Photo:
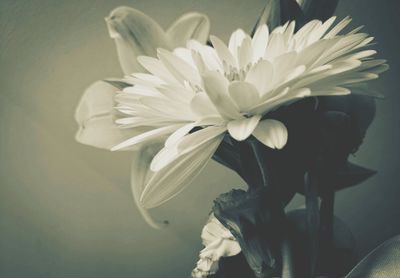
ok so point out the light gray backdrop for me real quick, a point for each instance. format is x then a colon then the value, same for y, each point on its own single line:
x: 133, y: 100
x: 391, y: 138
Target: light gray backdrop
x: 66, y: 209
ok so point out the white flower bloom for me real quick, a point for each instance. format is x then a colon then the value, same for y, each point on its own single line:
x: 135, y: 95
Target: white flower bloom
x: 194, y: 95
x: 218, y: 242
x: 135, y: 34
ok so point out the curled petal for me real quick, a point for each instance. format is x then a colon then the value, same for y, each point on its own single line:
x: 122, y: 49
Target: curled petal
x: 172, y: 179
x: 189, y: 26
x: 94, y: 116
x: 135, y: 34
x: 271, y: 133
x: 139, y: 172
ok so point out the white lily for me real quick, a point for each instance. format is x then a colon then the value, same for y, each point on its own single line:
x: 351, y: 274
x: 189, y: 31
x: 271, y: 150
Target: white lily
x: 218, y: 242
x: 135, y: 34
x: 194, y: 95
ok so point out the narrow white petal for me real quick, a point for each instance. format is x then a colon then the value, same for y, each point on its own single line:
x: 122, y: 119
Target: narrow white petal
x: 261, y: 75
x: 171, y: 180
x: 181, y: 70
x: 183, y: 146
x: 186, y: 55
x: 244, y: 94
x: 223, y: 52
x: 202, y: 105
x: 198, y: 138
x: 260, y: 42
x: 235, y: 41
x: 216, y: 87
x: 157, y: 68
x: 271, y: 133
x: 208, y: 55
x: 339, y: 27
x: 178, y: 134
x: 154, y: 134
x: 245, y: 53
x: 242, y: 129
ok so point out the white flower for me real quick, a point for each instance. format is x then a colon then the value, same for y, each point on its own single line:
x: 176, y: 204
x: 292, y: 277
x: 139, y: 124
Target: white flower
x: 218, y: 242
x: 194, y: 95
x: 135, y: 34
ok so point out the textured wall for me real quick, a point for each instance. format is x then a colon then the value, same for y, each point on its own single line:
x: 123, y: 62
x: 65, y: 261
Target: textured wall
x: 66, y: 209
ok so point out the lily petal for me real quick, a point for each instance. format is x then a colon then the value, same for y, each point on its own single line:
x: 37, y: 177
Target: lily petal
x: 271, y: 133
x: 171, y: 180
x: 189, y: 26
x: 94, y: 116
x: 139, y: 171
x: 135, y: 34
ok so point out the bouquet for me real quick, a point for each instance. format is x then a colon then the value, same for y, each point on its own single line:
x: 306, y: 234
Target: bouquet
x: 283, y: 106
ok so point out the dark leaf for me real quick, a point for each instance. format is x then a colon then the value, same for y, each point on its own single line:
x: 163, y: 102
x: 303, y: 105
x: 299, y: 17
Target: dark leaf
x: 351, y: 175
x: 319, y: 9
x: 360, y: 108
x: 270, y: 15
x: 341, y: 256
x: 290, y: 10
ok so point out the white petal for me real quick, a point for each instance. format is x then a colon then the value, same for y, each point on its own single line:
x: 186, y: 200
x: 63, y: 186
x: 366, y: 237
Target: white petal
x: 261, y: 76
x: 271, y: 133
x: 189, y: 26
x: 223, y: 52
x: 242, y: 129
x: 135, y: 34
x: 157, y: 68
x: 181, y: 70
x: 149, y: 136
x: 338, y: 27
x: 245, y: 53
x: 202, y: 105
x: 183, y: 146
x: 260, y: 42
x: 216, y: 87
x: 244, y: 94
x: 171, y: 180
x: 178, y: 134
x: 95, y: 119
x: 185, y: 54
x: 235, y: 41
x: 208, y: 55
x: 139, y: 173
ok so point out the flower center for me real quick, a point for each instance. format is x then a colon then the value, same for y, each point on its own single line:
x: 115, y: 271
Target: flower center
x: 233, y: 73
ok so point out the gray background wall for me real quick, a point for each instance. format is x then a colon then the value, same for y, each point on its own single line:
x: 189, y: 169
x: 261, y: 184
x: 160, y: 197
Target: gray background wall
x: 66, y: 209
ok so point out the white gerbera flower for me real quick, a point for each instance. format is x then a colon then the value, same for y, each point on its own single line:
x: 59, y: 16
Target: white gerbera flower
x: 194, y: 95
x: 135, y: 33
